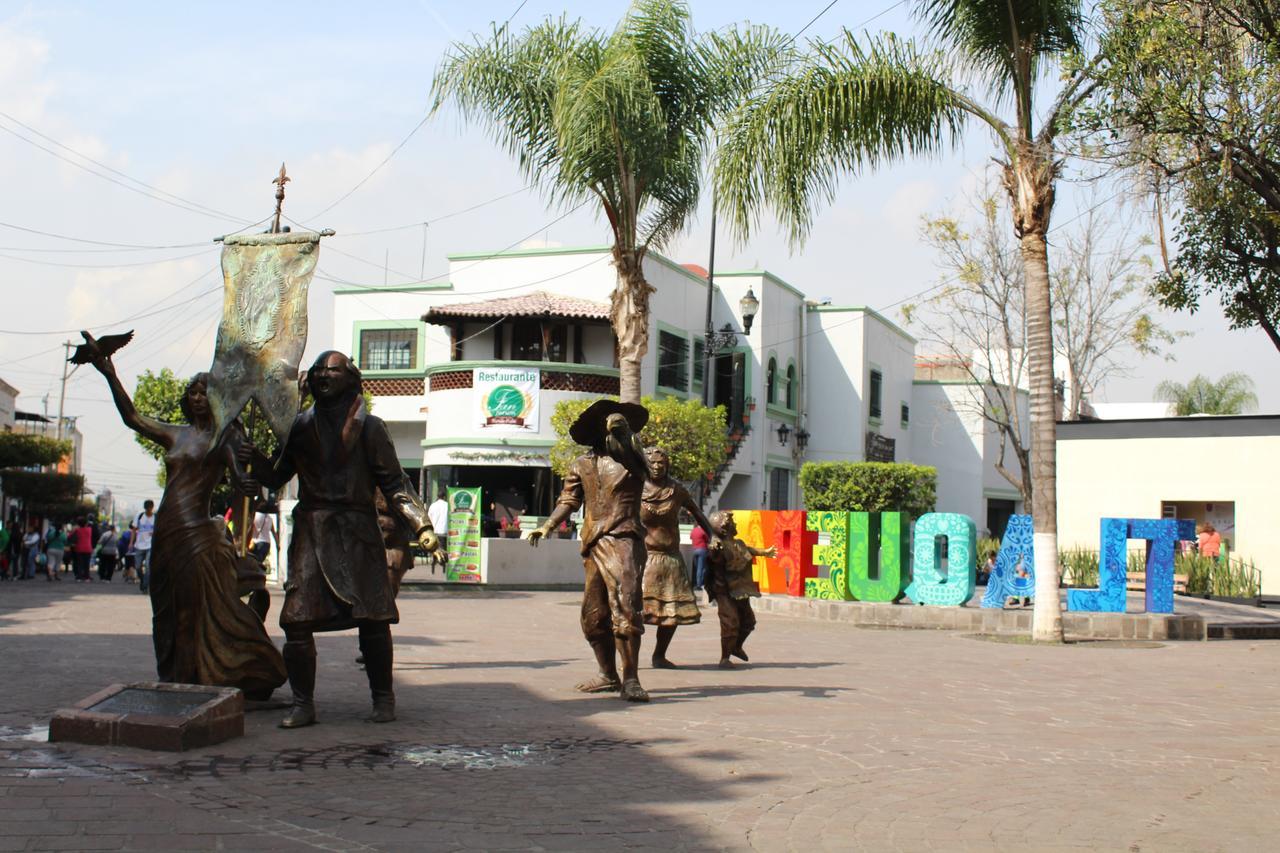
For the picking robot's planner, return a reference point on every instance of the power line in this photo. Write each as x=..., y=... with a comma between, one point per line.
x=394, y=151
x=115, y=246
x=103, y=266
x=150, y=191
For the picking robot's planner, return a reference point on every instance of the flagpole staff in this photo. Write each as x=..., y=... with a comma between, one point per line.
x=245, y=536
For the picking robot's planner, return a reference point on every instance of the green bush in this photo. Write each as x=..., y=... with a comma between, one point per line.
x=1079, y=567
x=23, y=450
x=692, y=434
x=869, y=487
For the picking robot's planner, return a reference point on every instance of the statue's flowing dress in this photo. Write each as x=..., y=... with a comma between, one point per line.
x=203, y=632
x=668, y=595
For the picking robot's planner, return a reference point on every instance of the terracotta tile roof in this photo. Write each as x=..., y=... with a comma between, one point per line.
x=536, y=304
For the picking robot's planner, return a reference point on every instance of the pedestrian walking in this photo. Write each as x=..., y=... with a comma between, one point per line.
x=82, y=550
x=31, y=552
x=698, y=538
x=5, y=536
x=264, y=531
x=108, y=551
x=55, y=545
x=124, y=548
x=438, y=512
x=146, y=526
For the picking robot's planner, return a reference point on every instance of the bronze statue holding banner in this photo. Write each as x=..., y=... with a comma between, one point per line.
x=338, y=575
x=608, y=481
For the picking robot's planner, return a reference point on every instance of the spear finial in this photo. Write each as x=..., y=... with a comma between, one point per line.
x=280, y=180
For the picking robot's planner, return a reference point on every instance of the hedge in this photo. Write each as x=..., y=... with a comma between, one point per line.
x=869, y=487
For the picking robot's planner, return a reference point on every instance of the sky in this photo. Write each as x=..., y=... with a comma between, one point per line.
x=191, y=107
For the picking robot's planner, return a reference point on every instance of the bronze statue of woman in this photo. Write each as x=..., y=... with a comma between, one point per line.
x=203, y=632
x=668, y=594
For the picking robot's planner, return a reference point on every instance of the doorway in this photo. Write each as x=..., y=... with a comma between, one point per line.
x=731, y=384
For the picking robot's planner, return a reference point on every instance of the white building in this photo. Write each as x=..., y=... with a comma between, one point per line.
x=805, y=382
x=8, y=406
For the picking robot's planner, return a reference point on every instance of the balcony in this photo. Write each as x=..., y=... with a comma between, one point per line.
x=554, y=375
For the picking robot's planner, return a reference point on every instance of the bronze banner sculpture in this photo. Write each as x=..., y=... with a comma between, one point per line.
x=608, y=481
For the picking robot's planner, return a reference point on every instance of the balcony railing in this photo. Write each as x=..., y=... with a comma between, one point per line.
x=554, y=376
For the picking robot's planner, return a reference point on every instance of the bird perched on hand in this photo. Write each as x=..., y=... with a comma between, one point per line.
x=95, y=348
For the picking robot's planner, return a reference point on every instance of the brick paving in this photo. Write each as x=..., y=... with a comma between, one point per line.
x=833, y=738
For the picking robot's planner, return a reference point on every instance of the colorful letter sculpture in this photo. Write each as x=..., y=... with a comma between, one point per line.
x=835, y=556
x=795, y=550
x=885, y=528
x=928, y=585
x=756, y=528
x=1163, y=535
x=1015, y=572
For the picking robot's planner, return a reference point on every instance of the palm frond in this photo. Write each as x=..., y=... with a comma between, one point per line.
x=844, y=108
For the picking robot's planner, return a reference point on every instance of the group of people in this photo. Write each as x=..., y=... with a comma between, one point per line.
x=630, y=542
x=76, y=547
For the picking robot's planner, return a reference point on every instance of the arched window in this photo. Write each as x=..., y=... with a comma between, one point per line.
x=771, y=381
x=791, y=386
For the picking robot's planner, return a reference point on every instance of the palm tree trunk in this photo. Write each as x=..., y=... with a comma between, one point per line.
x=1029, y=180
x=629, y=312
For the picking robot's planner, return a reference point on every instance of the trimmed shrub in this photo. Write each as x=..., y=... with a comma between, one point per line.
x=869, y=487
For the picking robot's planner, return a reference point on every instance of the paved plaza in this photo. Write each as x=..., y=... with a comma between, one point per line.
x=832, y=738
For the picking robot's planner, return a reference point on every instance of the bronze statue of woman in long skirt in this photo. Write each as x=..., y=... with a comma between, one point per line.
x=203, y=632
x=668, y=595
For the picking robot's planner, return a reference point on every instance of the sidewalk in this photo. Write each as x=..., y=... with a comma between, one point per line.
x=832, y=738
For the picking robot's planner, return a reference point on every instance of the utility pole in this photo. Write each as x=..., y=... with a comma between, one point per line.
x=62, y=394
x=709, y=336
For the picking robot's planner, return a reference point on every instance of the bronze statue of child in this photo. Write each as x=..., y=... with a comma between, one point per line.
x=731, y=585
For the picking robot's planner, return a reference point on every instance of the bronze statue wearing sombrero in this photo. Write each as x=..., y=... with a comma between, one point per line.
x=608, y=481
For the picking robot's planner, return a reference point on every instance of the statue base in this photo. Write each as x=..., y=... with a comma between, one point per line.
x=153, y=715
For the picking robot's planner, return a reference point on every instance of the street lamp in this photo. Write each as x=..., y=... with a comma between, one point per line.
x=749, y=306
x=802, y=439
x=783, y=432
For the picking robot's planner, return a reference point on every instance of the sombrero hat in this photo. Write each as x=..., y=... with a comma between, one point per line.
x=589, y=427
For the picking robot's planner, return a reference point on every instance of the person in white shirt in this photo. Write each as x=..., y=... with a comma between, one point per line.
x=146, y=523
x=438, y=512
x=264, y=531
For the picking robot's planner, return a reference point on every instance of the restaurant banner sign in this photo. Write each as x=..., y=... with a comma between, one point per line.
x=464, y=536
x=507, y=398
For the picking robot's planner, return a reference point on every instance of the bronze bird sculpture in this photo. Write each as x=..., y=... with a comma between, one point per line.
x=102, y=347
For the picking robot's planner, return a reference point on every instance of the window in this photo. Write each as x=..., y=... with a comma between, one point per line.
x=906, y=415
x=779, y=489
x=771, y=382
x=791, y=386
x=388, y=349
x=526, y=341
x=673, y=361
x=699, y=360
x=873, y=393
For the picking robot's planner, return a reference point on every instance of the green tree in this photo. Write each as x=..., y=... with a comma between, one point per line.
x=47, y=493
x=23, y=450
x=850, y=105
x=621, y=119
x=159, y=396
x=1190, y=105
x=691, y=433
x=1230, y=395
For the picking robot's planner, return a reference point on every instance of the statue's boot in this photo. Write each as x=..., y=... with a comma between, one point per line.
x=300, y=663
x=377, y=649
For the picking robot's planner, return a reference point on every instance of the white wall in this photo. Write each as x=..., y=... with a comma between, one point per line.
x=836, y=368
x=8, y=405
x=893, y=352
x=1131, y=477
x=948, y=433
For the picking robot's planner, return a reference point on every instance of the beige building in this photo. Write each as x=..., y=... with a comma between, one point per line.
x=1224, y=470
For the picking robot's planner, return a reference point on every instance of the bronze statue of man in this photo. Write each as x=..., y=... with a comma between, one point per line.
x=338, y=575
x=608, y=481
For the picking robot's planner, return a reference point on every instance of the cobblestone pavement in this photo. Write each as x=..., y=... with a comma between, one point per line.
x=832, y=738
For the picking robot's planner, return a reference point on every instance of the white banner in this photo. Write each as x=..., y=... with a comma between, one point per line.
x=507, y=398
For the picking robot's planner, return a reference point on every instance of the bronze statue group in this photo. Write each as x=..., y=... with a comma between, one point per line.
x=350, y=544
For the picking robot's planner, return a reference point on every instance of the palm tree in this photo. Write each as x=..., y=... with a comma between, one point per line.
x=1230, y=395
x=622, y=119
x=850, y=106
